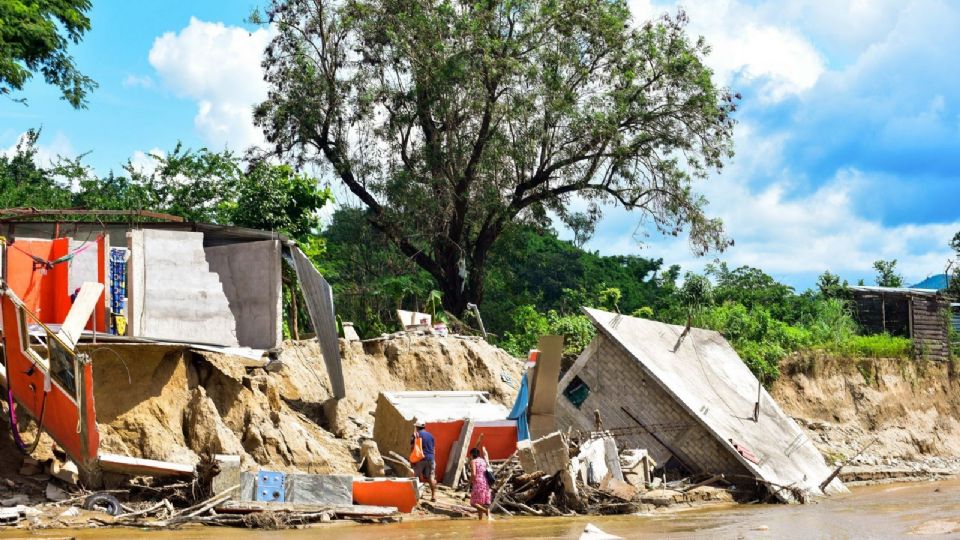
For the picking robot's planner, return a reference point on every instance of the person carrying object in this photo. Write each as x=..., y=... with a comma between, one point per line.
x=423, y=458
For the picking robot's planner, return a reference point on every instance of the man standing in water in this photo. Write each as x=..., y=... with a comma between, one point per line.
x=425, y=468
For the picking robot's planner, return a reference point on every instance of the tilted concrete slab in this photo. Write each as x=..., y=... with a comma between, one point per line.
x=707, y=377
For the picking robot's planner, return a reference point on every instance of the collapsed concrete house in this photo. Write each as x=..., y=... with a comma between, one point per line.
x=691, y=401
x=922, y=315
x=142, y=278
x=452, y=417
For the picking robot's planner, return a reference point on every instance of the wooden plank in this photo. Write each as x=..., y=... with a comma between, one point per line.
x=319, y=297
x=451, y=477
x=546, y=376
x=139, y=466
x=83, y=306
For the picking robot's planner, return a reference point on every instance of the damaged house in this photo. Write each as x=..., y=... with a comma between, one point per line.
x=921, y=314
x=144, y=281
x=687, y=397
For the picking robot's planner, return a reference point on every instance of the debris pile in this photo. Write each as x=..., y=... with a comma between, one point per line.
x=554, y=476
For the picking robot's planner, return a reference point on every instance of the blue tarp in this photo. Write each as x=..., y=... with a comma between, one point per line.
x=519, y=412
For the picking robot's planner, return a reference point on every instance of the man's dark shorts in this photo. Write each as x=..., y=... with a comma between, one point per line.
x=424, y=468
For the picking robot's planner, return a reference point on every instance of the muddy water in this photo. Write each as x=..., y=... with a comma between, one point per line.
x=889, y=511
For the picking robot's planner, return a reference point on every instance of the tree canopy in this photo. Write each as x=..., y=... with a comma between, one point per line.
x=199, y=185
x=451, y=120
x=887, y=275
x=34, y=36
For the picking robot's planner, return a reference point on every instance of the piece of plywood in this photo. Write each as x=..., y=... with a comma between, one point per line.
x=139, y=466
x=546, y=375
x=458, y=454
x=319, y=298
x=83, y=306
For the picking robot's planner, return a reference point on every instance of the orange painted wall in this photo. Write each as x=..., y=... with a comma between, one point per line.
x=399, y=492
x=445, y=434
x=500, y=441
x=47, y=294
x=62, y=416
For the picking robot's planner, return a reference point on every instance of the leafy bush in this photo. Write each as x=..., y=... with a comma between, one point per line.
x=577, y=331
x=528, y=325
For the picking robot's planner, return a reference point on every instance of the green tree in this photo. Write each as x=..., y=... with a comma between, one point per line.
x=277, y=198
x=450, y=121
x=34, y=36
x=887, y=275
x=953, y=284
x=830, y=286
x=25, y=183
x=695, y=295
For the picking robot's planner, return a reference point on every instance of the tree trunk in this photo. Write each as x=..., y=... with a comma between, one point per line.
x=455, y=298
x=457, y=292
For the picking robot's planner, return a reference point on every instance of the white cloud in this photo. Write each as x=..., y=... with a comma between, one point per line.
x=748, y=48
x=138, y=81
x=146, y=162
x=787, y=232
x=219, y=67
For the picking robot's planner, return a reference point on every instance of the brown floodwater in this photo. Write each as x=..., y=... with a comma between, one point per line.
x=884, y=511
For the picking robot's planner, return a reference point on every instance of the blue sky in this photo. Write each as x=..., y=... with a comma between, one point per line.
x=848, y=143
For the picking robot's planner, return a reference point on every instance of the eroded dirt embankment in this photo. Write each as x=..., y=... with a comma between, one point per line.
x=176, y=405
x=908, y=410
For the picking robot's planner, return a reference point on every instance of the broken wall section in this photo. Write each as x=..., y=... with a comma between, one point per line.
x=250, y=275
x=173, y=293
x=618, y=386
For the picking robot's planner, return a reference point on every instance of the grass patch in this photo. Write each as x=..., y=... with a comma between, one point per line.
x=876, y=346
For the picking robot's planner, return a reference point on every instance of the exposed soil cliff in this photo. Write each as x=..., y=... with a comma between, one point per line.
x=909, y=411
x=172, y=404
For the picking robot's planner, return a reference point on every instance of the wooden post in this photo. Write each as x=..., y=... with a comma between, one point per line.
x=883, y=312
x=451, y=477
x=294, y=313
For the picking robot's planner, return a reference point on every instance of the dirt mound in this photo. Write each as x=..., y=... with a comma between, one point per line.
x=406, y=362
x=170, y=403
x=911, y=408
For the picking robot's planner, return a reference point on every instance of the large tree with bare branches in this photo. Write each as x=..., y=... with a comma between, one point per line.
x=449, y=119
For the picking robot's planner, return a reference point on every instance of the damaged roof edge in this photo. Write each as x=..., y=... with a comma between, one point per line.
x=217, y=231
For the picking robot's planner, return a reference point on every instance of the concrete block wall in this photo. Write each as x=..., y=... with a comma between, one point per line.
x=250, y=275
x=616, y=380
x=172, y=292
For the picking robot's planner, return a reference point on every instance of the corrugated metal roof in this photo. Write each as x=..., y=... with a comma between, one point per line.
x=900, y=290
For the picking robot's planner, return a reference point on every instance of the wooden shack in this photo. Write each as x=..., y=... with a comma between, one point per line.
x=919, y=314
